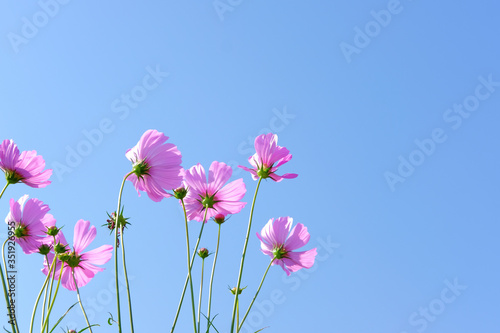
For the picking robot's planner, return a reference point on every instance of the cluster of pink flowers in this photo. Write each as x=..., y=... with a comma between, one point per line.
x=156, y=170
x=34, y=229
x=205, y=199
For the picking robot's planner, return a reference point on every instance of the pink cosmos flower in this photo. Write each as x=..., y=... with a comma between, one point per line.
x=83, y=264
x=267, y=158
x=30, y=221
x=156, y=166
x=213, y=195
x=24, y=167
x=277, y=241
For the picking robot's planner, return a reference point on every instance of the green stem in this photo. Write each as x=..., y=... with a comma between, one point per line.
x=51, y=269
x=116, y=252
x=201, y=291
x=8, y=292
x=50, y=289
x=126, y=282
x=243, y=255
x=187, y=277
x=212, y=280
x=79, y=300
x=45, y=293
x=189, y=264
x=46, y=323
x=255, y=297
x=238, y=313
x=4, y=188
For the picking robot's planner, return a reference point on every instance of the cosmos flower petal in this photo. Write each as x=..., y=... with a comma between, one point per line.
x=195, y=178
x=162, y=165
x=229, y=207
x=265, y=144
x=15, y=212
x=29, y=215
x=83, y=235
x=66, y=278
x=277, y=230
x=87, y=267
x=27, y=166
x=279, y=243
x=252, y=171
x=99, y=256
x=34, y=211
x=218, y=174
x=267, y=158
x=282, y=264
x=233, y=191
x=298, y=260
x=225, y=198
x=9, y=155
x=298, y=237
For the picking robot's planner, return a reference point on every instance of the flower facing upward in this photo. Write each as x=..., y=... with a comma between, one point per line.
x=83, y=264
x=212, y=195
x=278, y=242
x=30, y=221
x=26, y=167
x=267, y=158
x=156, y=165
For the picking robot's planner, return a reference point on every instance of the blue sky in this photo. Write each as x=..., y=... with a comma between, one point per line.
x=390, y=109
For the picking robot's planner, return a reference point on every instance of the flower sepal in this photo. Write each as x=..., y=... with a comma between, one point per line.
x=203, y=253
x=279, y=252
x=60, y=248
x=111, y=222
x=141, y=168
x=180, y=193
x=52, y=231
x=12, y=177
x=21, y=231
x=233, y=290
x=44, y=249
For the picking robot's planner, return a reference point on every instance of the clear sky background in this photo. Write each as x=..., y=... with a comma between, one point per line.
x=390, y=109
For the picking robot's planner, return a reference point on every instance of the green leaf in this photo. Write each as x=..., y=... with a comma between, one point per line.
x=210, y=323
x=80, y=331
x=64, y=315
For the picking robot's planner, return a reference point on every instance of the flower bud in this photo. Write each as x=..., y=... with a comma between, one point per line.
x=60, y=248
x=111, y=222
x=44, y=249
x=64, y=257
x=219, y=218
x=180, y=193
x=233, y=290
x=203, y=253
x=71, y=331
x=52, y=231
